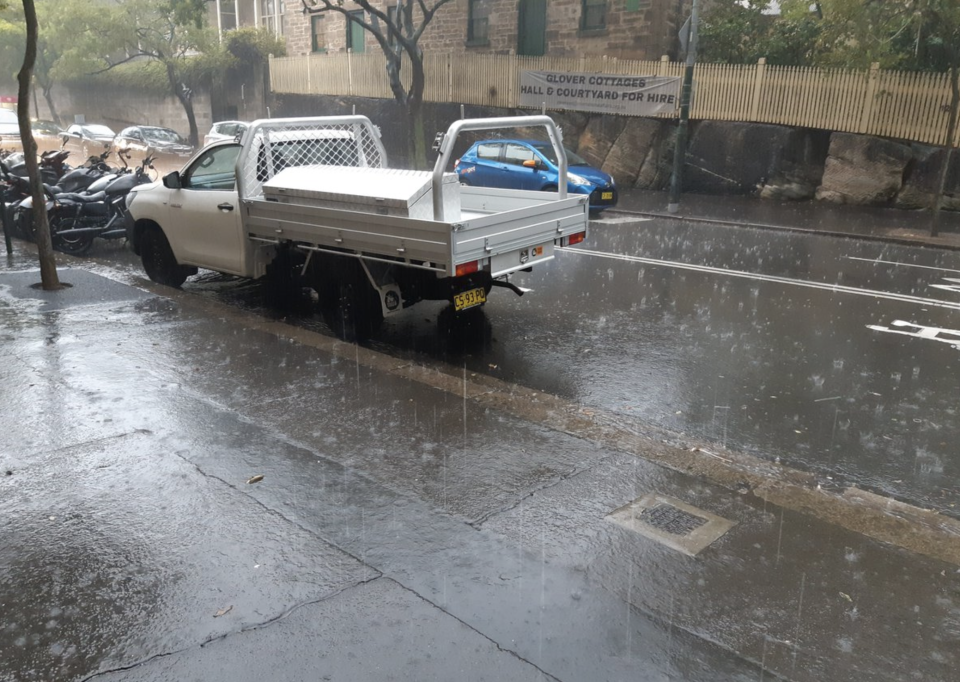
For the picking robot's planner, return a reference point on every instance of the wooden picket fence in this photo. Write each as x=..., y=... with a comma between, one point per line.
x=898, y=104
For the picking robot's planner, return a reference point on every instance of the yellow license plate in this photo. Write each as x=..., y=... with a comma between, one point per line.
x=469, y=299
x=606, y=195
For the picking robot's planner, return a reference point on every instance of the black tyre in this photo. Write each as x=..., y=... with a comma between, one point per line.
x=75, y=245
x=158, y=260
x=284, y=285
x=350, y=305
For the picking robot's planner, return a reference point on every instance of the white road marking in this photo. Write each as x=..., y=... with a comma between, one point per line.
x=903, y=265
x=835, y=288
x=922, y=332
x=619, y=220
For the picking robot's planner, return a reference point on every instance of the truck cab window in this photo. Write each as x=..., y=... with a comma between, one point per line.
x=216, y=169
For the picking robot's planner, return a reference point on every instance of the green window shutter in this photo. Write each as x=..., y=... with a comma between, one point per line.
x=633, y=5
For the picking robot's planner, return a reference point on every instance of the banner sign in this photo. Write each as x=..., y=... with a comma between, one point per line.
x=602, y=93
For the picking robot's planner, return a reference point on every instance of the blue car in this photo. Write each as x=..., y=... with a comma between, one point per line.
x=532, y=165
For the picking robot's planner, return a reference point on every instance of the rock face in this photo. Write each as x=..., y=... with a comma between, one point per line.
x=741, y=158
x=863, y=170
x=723, y=157
x=923, y=180
x=598, y=138
x=636, y=157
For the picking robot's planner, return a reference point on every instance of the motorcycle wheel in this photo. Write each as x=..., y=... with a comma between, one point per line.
x=75, y=245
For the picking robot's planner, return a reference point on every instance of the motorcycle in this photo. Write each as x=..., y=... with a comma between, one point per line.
x=77, y=219
x=74, y=185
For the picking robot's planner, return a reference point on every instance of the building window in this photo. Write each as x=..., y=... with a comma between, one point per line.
x=226, y=15
x=478, y=14
x=272, y=15
x=593, y=15
x=355, y=32
x=318, y=41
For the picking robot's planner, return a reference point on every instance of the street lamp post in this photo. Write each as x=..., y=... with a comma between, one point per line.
x=680, y=152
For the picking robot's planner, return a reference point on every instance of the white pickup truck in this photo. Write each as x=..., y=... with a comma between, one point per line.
x=311, y=204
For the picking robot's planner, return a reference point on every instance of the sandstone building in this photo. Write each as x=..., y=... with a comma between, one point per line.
x=624, y=29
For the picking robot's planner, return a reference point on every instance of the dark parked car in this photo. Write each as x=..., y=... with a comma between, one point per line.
x=84, y=140
x=532, y=165
x=169, y=150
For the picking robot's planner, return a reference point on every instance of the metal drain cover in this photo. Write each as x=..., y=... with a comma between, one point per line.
x=671, y=522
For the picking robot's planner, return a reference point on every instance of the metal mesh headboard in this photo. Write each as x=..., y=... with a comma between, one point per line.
x=270, y=145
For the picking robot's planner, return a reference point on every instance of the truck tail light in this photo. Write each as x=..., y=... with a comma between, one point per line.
x=468, y=268
x=574, y=238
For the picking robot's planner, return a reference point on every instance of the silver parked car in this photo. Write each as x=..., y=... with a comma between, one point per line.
x=224, y=130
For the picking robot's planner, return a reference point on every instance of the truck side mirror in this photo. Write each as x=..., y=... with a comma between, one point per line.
x=172, y=180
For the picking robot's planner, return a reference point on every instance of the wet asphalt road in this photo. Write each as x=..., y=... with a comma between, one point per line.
x=408, y=532
x=788, y=346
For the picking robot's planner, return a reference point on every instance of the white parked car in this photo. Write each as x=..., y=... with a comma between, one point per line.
x=224, y=130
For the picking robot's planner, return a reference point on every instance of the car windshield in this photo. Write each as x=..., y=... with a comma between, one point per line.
x=547, y=150
x=47, y=127
x=97, y=131
x=162, y=135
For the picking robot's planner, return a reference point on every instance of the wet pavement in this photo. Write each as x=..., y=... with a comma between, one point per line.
x=439, y=518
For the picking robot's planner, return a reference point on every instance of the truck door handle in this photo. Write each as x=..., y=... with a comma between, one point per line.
x=225, y=206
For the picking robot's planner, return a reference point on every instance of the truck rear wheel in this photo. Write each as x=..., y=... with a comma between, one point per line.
x=350, y=304
x=158, y=260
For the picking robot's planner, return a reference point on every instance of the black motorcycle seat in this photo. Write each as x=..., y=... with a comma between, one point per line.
x=52, y=190
x=81, y=198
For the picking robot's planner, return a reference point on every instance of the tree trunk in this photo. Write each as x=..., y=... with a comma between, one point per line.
x=951, y=136
x=48, y=266
x=186, y=102
x=415, y=114
x=48, y=97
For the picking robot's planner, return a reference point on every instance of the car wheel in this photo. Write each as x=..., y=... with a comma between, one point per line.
x=549, y=188
x=158, y=260
x=75, y=245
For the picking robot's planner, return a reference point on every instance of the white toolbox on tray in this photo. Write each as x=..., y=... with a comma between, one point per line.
x=383, y=191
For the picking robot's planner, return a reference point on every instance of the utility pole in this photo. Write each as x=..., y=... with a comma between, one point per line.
x=688, y=36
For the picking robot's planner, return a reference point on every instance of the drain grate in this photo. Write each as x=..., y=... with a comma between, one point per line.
x=668, y=518
x=672, y=522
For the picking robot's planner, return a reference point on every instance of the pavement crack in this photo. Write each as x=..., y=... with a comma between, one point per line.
x=278, y=514
x=246, y=628
x=478, y=522
x=467, y=625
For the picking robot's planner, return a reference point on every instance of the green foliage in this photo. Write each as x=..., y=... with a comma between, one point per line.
x=251, y=46
x=904, y=34
x=733, y=32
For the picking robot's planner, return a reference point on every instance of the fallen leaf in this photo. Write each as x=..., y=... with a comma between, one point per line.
x=255, y=479
x=846, y=596
x=223, y=612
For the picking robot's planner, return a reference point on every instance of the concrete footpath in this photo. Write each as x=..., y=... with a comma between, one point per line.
x=191, y=491
x=857, y=222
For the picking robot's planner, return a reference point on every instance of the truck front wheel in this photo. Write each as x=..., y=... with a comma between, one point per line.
x=158, y=260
